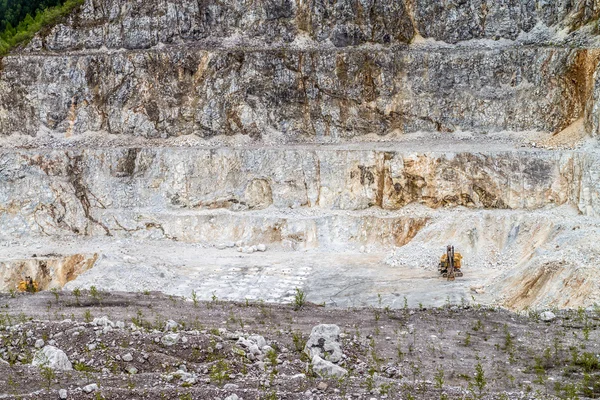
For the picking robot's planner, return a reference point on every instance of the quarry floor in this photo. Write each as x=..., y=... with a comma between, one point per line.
x=348, y=279
x=496, y=268
x=422, y=353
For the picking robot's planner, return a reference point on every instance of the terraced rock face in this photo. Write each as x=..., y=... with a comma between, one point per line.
x=320, y=126
x=314, y=95
x=125, y=192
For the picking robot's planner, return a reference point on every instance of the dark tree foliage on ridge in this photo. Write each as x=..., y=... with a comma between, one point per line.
x=21, y=19
x=14, y=11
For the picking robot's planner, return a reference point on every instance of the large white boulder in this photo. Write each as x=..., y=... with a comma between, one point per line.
x=103, y=322
x=52, y=357
x=324, y=341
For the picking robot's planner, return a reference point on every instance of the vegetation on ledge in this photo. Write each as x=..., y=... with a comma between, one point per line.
x=19, y=27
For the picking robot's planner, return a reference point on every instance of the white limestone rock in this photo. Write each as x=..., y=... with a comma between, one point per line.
x=52, y=357
x=170, y=339
x=325, y=368
x=547, y=316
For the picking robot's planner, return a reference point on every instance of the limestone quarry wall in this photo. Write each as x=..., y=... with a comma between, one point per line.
x=306, y=71
x=49, y=271
x=217, y=195
x=143, y=24
x=312, y=124
x=302, y=96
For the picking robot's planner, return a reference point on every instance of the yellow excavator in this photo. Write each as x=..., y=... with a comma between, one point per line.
x=450, y=264
x=28, y=285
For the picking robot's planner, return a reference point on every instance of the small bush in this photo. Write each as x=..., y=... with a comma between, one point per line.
x=299, y=299
x=219, y=372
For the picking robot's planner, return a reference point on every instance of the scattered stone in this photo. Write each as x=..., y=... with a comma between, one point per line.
x=322, y=386
x=477, y=289
x=52, y=357
x=131, y=370
x=127, y=357
x=547, y=316
x=170, y=339
x=230, y=386
x=39, y=343
x=171, y=325
x=92, y=387
x=62, y=394
x=266, y=349
x=325, y=368
x=103, y=322
x=233, y=397
x=253, y=349
x=324, y=341
x=261, y=247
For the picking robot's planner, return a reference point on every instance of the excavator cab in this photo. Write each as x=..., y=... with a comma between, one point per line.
x=28, y=285
x=450, y=264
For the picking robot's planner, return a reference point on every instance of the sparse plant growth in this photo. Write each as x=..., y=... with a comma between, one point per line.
x=77, y=294
x=219, y=372
x=299, y=299
x=373, y=350
x=467, y=339
x=194, y=298
x=299, y=341
x=439, y=379
x=95, y=294
x=49, y=375
x=480, y=381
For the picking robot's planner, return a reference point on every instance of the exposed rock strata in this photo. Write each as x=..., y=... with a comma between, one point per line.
x=303, y=96
x=49, y=271
x=341, y=23
x=176, y=193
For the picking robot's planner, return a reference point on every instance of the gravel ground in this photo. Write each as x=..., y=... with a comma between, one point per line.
x=454, y=352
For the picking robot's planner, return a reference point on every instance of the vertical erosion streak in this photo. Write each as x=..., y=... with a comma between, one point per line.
x=580, y=78
x=381, y=161
x=409, y=7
